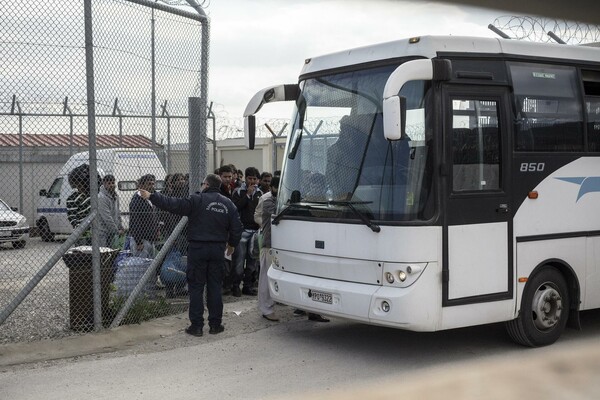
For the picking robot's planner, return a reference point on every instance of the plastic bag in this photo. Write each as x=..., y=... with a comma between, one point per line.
x=122, y=254
x=255, y=241
x=120, y=241
x=129, y=272
x=173, y=270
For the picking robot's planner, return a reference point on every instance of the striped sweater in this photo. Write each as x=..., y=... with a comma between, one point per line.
x=78, y=207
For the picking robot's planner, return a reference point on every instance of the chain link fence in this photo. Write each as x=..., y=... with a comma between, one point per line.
x=73, y=260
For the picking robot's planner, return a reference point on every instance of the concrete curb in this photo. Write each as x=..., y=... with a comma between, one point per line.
x=108, y=341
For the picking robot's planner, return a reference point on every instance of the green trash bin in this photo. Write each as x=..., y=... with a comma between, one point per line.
x=81, y=295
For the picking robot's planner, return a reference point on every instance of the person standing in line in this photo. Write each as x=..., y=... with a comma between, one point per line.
x=109, y=212
x=269, y=204
x=214, y=230
x=264, y=183
x=78, y=202
x=226, y=175
x=143, y=220
x=245, y=199
x=225, y=172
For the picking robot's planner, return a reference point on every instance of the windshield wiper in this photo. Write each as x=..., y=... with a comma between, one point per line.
x=350, y=205
x=288, y=209
x=374, y=227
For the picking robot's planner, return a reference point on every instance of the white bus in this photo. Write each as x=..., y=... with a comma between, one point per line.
x=442, y=182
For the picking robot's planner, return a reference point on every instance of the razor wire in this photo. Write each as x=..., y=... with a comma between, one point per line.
x=536, y=29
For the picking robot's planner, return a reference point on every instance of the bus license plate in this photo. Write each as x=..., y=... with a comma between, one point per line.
x=321, y=297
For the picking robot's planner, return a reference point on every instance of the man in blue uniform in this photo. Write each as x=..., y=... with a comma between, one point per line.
x=214, y=227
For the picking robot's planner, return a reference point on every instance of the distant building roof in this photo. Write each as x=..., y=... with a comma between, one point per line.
x=47, y=140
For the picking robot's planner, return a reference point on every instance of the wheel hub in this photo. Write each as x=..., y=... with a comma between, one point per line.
x=546, y=307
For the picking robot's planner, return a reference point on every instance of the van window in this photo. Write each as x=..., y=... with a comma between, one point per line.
x=549, y=112
x=127, y=185
x=132, y=185
x=54, y=191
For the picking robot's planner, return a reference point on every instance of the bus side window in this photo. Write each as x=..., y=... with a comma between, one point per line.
x=475, y=146
x=593, y=109
x=549, y=112
x=591, y=86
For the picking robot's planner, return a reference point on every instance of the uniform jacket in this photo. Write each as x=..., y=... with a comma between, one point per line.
x=212, y=217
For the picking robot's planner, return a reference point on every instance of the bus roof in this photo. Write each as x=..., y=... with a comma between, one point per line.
x=430, y=46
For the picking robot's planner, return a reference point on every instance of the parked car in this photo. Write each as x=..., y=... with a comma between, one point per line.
x=13, y=226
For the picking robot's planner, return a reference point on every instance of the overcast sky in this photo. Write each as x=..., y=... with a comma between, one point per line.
x=259, y=43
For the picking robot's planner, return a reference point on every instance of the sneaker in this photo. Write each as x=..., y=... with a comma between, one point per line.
x=216, y=329
x=271, y=317
x=249, y=291
x=194, y=330
x=236, y=291
x=317, y=317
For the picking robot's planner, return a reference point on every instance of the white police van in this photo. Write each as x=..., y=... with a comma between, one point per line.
x=127, y=166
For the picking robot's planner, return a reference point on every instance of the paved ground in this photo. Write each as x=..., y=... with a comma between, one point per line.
x=298, y=359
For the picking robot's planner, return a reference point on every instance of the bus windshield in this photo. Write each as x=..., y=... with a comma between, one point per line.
x=339, y=165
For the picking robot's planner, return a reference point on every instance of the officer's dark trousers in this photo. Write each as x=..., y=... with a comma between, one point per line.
x=205, y=266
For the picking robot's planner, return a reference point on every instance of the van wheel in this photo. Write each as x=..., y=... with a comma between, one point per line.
x=544, y=310
x=19, y=245
x=45, y=233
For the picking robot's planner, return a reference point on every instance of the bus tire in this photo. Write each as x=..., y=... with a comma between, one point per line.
x=544, y=310
x=45, y=233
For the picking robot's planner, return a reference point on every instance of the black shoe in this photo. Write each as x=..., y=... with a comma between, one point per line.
x=317, y=317
x=216, y=329
x=236, y=291
x=298, y=312
x=249, y=291
x=194, y=330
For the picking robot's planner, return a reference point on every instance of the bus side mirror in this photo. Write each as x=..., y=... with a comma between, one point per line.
x=394, y=106
x=394, y=122
x=249, y=131
x=268, y=95
x=43, y=193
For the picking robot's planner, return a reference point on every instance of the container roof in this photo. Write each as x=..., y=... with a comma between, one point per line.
x=49, y=140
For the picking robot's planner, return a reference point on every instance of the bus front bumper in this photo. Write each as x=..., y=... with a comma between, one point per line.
x=408, y=308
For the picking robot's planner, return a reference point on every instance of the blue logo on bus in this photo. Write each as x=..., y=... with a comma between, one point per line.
x=586, y=184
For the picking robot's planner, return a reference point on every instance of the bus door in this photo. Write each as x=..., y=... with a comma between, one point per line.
x=477, y=261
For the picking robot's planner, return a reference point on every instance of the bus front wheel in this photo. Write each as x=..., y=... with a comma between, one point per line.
x=544, y=310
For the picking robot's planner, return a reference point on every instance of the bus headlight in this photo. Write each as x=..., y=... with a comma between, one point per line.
x=389, y=277
x=402, y=276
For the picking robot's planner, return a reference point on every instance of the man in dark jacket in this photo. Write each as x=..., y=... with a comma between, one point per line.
x=143, y=220
x=214, y=228
x=245, y=199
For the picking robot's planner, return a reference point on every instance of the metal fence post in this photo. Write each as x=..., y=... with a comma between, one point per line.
x=91, y=122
